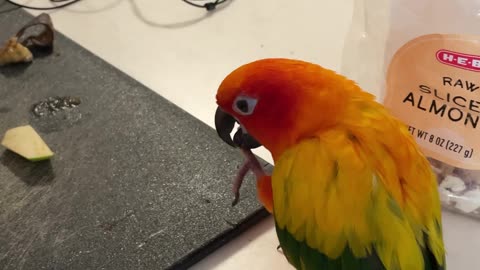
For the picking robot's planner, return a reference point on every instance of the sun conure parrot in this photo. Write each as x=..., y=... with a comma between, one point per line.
x=350, y=187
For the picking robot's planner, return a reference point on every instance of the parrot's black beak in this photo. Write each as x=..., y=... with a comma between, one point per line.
x=224, y=124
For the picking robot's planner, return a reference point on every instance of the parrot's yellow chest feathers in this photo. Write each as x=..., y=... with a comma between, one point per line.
x=362, y=186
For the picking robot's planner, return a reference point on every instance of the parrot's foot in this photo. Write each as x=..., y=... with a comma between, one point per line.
x=237, y=183
x=279, y=249
x=250, y=163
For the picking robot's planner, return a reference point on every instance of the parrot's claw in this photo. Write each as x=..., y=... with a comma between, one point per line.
x=279, y=249
x=236, y=199
x=237, y=183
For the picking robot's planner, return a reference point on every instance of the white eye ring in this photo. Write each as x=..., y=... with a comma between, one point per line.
x=244, y=105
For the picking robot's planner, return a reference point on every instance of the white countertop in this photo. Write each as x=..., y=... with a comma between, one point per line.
x=183, y=53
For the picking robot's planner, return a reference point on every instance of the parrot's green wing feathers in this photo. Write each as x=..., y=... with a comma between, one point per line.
x=334, y=210
x=300, y=255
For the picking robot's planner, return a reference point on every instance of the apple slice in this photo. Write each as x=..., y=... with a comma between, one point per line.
x=26, y=142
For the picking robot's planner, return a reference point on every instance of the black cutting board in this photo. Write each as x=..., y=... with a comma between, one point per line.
x=136, y=182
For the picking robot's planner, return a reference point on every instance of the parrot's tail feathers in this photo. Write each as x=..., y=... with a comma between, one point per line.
x=431, y=261
x=303, y=257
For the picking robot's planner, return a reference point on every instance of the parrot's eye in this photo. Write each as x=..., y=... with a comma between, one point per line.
x=244, y=105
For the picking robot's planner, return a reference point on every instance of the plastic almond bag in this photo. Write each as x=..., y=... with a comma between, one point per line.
x=422, y=60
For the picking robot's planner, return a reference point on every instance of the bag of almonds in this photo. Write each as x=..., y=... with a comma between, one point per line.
x=422, y=60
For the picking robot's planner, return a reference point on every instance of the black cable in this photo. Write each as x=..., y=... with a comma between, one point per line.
x=45, y=8
x=209, y=6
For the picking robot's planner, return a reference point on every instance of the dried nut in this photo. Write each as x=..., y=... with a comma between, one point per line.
x=468, y=202
x=436, y=170
x=17, y=49
x=44, y=38
x=453, y=183
x=436, y=163
x=14, y=52
x=446, y=170
x=441, y=169
x=469, y=176
x=445, y=195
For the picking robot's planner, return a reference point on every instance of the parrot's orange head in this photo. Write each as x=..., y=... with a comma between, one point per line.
x=277, y=102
